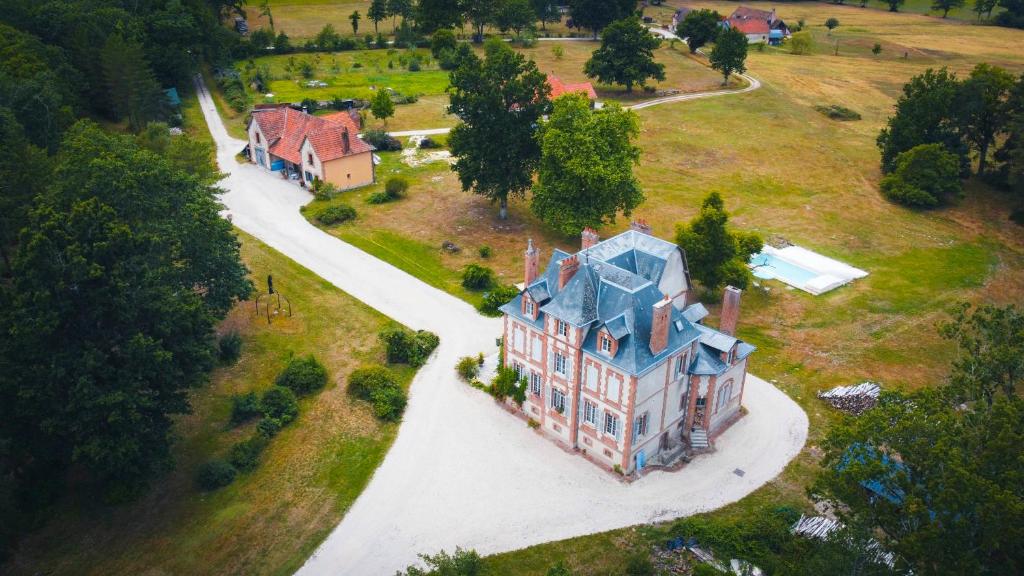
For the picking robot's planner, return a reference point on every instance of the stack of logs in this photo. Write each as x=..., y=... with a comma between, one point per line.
x=853, y=399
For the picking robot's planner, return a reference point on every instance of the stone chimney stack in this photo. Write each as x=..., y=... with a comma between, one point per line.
x=567, y=269
x=532, y=258
x=730, y=310
x=640, y=225
x=660, y=320
x=590, y=238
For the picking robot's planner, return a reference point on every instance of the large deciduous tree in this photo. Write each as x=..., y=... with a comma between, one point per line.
x=108, y=322
x=595, y=15
x=546, y=11
x=23, y=173
x=480, y=13
x=925, y=114
x=626, y=55
x=499, y=101
x=947, y=5
x=699, y=27
x=716, y=255
x=586, y=168
x=377, y=12
x=433, y=15
x=981, y=108
x=729, y=53
x=514, y=15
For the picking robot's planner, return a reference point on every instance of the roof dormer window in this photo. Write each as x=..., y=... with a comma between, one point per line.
x=530, y=306
x=606, y=344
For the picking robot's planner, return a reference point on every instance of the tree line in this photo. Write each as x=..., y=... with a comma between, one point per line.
x=943, y=124
x=116, y=266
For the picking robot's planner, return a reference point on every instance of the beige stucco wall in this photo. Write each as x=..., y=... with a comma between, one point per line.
x=349, y=171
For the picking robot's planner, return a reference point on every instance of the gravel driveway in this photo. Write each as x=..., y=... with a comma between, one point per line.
x=462, y=471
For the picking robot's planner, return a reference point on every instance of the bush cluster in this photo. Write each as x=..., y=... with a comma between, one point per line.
x=233, y=89
x=837, y=112
x=336, y=214
x=215, y=474
x=244, y=407
x=495, y=299
x=477, y=277
x=229, y=348
x=507, y=383
x=245, y=456
x=377, y=385
x=467, y=368
x=380, y=140
x=403, y=346
x=925, y=176
x=279, y=406
x=303, y=375
x=394, y=189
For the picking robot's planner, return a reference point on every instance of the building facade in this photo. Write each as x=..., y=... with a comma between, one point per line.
x=618, y=364
x=310, y=148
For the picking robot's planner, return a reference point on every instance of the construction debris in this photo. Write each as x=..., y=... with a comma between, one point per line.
x=820, y=527
x=853, y=399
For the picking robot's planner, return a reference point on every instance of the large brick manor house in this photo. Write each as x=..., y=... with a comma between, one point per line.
x=618, y=364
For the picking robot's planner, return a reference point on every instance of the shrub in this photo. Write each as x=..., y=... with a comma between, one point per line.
x=476, y=277
x=279, y=404
x=557, y=51
x=268, y=427
x=429, y=143
x=229, y=348
x=801, y=42
x=382, y=141
x=215, y=474
x=414, y=65
x=303, y=375
x=245, y=455
x=703, y=569
x=507, y=383
x=441, y=41
x=467, y=368
x=377, y=385
x=382, y=42
x=837, y=112
x=403, y=346
x=925, y=176
x=336, y=214
x=378, y=198
x=485, y=251
x=495, y=299
x=396, y=187
x=244, y=407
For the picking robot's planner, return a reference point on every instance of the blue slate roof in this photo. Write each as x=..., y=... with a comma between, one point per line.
x=616, y=288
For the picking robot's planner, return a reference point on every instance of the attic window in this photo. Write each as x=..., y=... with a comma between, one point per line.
x=257, y=137
x=679, y=325
x=310, y=157
x=529, y=307
x=606, y=344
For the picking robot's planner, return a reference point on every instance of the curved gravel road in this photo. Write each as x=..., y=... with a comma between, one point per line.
x=462, y=472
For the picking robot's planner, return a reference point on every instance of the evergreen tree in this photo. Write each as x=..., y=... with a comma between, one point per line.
x=586, y=167
x=131, y=87
x=716, y=255
x=499, y=101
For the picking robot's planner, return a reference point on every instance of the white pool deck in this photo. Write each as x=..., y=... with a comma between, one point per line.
x=829, y=274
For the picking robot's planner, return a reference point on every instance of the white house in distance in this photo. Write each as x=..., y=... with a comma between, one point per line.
x=618, y=364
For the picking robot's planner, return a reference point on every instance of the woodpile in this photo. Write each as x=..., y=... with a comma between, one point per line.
x=853, y=399
x=820, y=527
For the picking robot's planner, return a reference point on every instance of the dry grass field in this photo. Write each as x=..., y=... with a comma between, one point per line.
x=267, y=521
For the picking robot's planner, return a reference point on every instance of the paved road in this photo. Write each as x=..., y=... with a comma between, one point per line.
x=462, y=471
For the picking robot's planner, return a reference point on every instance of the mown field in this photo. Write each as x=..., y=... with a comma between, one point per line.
x=270, y=520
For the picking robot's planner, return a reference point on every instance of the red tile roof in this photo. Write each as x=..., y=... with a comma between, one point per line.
x=558, y=88
x=332, y=136
x=745, y=13
x=750, y=26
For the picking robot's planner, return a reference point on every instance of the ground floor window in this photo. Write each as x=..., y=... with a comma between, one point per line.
x=557, y=399
x=518, y=369
x=589, y=412
x=309, y=176
x=611, y=424
x=535, y=383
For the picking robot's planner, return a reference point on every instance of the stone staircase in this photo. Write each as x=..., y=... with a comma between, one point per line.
x=699, y=439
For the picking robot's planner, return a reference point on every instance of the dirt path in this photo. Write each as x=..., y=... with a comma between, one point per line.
x=462, y=472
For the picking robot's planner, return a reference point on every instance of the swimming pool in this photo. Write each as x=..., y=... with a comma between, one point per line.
x=771, y=267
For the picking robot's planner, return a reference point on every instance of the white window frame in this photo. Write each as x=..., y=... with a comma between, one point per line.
x=562, y=328
x=606, y=344
x=642, y=424
x=558, y=400
x=529, y=306
x=590, y=412
x=561, y=363
x=518, y=369
x=611, y=424
x=536, y=383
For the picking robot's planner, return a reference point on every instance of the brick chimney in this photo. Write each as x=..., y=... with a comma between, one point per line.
x=730, y=310
x=660, y=319
x=567, y=269
x=531, y=263
x=641, y=225
x=589, y=238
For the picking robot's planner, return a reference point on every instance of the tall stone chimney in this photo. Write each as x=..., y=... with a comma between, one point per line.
x=730, y=310
x=660, y=320
x=641, y=225
x=532, y=258
x=567, y=269
x=589, y=237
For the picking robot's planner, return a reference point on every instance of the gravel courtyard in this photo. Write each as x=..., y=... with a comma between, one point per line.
x=462, y=471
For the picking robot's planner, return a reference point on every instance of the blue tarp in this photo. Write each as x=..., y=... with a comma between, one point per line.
x=172, y=97
x=880, y=486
